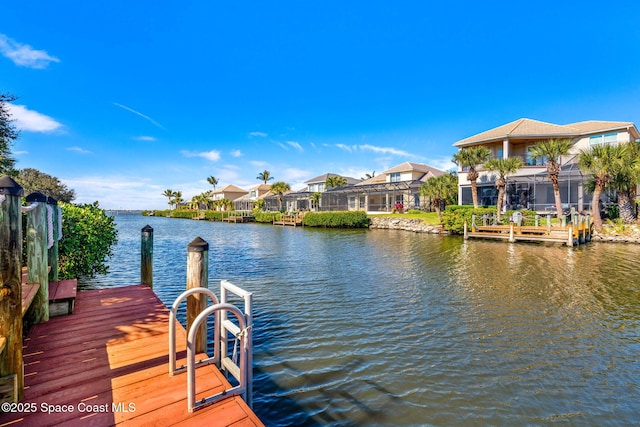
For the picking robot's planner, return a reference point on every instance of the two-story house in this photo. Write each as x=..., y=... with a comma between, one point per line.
x=529, y=187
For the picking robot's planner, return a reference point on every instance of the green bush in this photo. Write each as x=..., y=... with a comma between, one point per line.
x=267, y=217
x=415, y=212
x=87, y=237
x=454, y=216
x=214, y=215
x=356, y=219
x=184, y=213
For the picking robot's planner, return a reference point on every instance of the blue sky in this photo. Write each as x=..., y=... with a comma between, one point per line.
x=124, y=99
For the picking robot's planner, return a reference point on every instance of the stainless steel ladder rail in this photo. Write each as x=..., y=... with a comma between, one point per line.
x=226, y=326
x=240, y=371
x=172, y=331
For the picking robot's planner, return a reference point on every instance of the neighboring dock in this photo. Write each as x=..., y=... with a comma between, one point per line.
x=239, y=216
x=294, y=220
x=576, y=231
x=109, y=362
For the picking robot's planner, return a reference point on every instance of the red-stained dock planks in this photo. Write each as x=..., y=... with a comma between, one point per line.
x=107, y=364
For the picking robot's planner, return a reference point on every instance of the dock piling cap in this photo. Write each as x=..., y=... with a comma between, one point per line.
x=36, y=196
x=198, y=245
x=9, y=187
x=147, y=229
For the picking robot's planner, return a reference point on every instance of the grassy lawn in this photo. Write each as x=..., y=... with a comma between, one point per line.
x=429, y=218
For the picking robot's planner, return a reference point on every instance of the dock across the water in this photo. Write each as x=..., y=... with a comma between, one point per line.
x=576, y=231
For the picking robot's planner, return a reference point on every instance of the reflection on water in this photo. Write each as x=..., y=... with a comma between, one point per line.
x=386, y=327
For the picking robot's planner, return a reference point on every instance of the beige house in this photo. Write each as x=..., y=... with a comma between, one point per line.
x=247, y=202
x=529, y=187
x=231, y=192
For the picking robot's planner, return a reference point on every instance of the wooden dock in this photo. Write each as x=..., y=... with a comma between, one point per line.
x=239, y=216
x=571, y=234
x=107, y=364
x=294, y=220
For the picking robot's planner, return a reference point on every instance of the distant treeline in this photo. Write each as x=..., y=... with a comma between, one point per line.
x=311, y=219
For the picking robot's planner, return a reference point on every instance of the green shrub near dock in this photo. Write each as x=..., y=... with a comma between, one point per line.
x=454, y=216
x=267, y=217
x=356, y=219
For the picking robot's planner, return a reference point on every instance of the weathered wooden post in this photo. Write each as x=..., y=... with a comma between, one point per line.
x=511, y=236
x=197, y=276
x=146, y=256
x=52, y=211
x=11, y=364
x=37, y=263
x=466, y=232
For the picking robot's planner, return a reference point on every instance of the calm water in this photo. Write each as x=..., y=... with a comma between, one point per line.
x=383, y=327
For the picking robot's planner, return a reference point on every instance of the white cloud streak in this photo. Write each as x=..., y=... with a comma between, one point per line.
x=295, y=145
x=236, y=153
x=212, y=155
x=78, y=150
x=145, y=138
x=260, y=134
x=381, y=150
x=32, y=121
x=24, y=55
x=139, y=114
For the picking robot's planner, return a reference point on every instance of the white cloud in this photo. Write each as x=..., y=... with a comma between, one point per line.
x=117, y=192
x=384, y=150
x=236, y=153
x=24, y=55
x=260, y=134
x=212, y=155
x=259, y=163
x=79, y=150
x=442, y=163
x=139, y=114
x=32, y=121
x=145, y=138
x=295, y=145
x=348, y=148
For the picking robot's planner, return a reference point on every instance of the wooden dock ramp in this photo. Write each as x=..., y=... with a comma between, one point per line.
x=107, y=364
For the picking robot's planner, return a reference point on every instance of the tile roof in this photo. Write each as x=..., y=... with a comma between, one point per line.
x=230, y=189
x=410, y=166
x=528, y=128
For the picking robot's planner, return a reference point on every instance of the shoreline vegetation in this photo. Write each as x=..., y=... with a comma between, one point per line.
x=415, y=221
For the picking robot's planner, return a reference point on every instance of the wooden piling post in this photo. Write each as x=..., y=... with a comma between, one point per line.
x=37, y=262
x=53, y=250
x=197, y=276
x=11, y=364
x=146, y=256
x=511, y=234
x=466, y=231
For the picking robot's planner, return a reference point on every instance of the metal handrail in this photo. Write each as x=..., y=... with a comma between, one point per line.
x=172, y=331
x=245, y=348
x=227, y=287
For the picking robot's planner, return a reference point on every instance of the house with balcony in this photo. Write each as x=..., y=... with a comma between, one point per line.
x=230, y=192
x=248, y=201
x=529, y=187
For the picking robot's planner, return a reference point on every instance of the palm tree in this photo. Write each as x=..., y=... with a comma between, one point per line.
x=213, y=181
x=280, y=188
x=504, y=167
x=625, y=181
x=170, y=194
x=443, y=188
x=177, y=199
x=471, y=158
x=264, y=176
x=335, y=181
x=551, y=151
x=601, y=162
x=369, y=175
x=315, y=199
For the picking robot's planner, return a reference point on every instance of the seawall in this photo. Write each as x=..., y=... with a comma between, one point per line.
x=408, y=224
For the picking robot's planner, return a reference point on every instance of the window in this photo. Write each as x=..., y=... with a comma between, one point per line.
x=531, y=161
x=394, y=177
x=608, y=138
